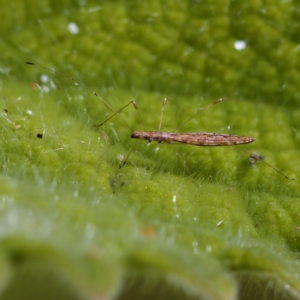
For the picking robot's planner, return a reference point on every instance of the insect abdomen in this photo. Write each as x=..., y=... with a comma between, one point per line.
x=197, y=139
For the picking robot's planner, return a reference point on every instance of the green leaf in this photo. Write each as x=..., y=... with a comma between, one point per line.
x=176, y=221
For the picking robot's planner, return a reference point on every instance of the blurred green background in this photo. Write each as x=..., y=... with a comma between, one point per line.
x=177, y=221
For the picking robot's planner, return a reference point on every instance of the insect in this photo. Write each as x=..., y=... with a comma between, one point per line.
x=196, y=139
x=203, y=139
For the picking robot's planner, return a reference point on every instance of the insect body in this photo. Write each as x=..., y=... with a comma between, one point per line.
x=196, y=139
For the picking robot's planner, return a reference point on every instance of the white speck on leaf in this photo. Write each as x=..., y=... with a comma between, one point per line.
x=240, y=45
x=73, y=28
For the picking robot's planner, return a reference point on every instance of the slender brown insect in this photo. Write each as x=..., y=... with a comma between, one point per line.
x=203, y=139
x=196, y=139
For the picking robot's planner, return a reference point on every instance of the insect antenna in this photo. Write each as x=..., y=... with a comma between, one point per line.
x=198, y=112
x=52, y=71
